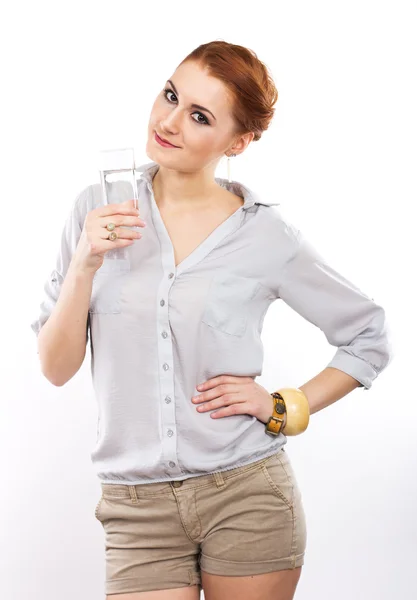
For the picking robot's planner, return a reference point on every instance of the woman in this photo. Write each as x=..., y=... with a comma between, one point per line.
x=195, y=493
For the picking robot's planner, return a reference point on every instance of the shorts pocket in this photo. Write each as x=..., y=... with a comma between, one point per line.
x=228, y=303
x=279, y=475
x=107, y=286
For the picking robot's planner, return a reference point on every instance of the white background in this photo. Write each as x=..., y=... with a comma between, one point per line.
x=340, y=157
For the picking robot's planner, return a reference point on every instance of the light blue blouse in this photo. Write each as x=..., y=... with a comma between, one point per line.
x=156, y=331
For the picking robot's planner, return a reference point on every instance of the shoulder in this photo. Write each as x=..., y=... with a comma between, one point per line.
x=277, y=223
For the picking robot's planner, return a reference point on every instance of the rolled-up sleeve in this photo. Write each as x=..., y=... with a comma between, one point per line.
x=69, y=240
x=350, y=320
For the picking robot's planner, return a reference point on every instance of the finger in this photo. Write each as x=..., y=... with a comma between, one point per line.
x=122, y=233
x=122, y=208
x=122, y=220
x=219, y=390
x=220, y=402
x=233, y=409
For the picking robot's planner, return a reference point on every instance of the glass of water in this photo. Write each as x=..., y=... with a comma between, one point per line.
x=118, y=184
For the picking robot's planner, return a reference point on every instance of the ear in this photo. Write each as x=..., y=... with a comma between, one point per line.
x=242, y=142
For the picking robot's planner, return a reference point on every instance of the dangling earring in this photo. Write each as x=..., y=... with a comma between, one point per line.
x=228, y=167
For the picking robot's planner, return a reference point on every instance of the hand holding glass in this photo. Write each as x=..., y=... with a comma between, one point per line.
x=94, y=244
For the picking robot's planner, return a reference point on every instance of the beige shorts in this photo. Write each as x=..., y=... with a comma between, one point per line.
x=245, y=521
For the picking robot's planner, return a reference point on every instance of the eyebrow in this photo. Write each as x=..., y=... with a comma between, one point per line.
x=193, y=105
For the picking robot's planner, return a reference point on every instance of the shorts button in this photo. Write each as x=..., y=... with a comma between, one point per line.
x=177, y=483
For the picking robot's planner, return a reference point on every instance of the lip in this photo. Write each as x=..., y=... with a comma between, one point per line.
x=163, y=142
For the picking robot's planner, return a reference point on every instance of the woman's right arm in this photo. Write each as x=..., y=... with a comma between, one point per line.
x=62, y=323
x=63, y=338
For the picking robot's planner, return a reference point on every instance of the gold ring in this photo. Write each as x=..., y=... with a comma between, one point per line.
x=113, y=235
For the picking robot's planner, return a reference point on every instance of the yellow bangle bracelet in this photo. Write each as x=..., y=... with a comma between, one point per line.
x=297, y=410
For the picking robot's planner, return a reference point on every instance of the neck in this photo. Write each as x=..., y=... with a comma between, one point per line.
x=179, y=190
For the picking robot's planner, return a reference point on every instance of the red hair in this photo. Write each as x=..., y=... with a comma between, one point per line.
x=248, y=80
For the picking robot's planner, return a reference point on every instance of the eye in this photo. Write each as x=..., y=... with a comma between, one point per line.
x=205, y=122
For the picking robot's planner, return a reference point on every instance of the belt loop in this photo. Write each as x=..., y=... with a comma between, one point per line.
x=133, y=495
x=218, y=478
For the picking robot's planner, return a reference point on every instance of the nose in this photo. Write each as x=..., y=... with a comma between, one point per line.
x=169, y=124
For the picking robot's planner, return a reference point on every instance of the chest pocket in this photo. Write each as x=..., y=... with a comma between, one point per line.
x=228, y=303
x=107, y=286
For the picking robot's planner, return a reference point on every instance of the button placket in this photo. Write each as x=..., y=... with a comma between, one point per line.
x=168, y=421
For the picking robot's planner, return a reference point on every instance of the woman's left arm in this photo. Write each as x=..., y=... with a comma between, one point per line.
x=350, y=320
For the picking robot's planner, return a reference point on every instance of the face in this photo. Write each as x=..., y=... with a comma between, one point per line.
x=202, y=135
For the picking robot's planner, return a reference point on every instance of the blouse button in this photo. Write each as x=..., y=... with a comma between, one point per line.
x=171, y=463
x=170, y=433
x=164, y=334
x=165, y=367
x=162, y=302
x=171, y=275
